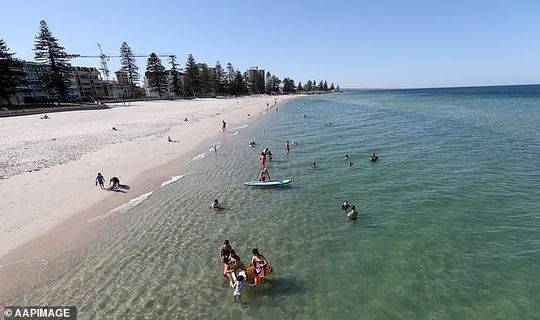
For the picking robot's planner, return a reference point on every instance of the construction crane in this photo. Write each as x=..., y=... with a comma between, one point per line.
x=104, y=59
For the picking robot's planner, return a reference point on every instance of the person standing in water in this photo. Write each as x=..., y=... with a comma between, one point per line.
x=264, y=175
x=100, y=180
x=287, y=146
x=224, y=126
x=215, y=150
x=259, y=263
x=225, y=251
x=262, y=160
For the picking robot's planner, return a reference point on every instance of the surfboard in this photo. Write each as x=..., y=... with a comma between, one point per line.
x=272, y=183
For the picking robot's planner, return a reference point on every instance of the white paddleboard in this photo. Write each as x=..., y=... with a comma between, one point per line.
x=272, y=183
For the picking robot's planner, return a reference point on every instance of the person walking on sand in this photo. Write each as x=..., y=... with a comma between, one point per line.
x=215, y=150
x=262, y=160
x=224, y=126
x=100, y=180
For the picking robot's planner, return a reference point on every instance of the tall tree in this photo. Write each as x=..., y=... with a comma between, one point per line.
x=231, y=74
x=48, y=50
x=156, y=75
x=206, y=84
x=332, y=87
x=299, y=87
x=129, y=67
x=309, y=86
x=219, y=80
x=176, y=84
x=321, y=86
x=10, y=76
x=275, y=84
x=239, y=86
x=337, y=88
x=288, y=85
x=268, y=84
x=192, y=82
x=325, y=86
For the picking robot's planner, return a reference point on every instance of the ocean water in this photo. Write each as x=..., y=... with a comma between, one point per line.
x=449, y=224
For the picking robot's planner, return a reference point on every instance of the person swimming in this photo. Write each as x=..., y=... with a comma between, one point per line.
x=252, y=144
x=215, y=204
x=345, y=205
x=264, y=175
x=351, y=164
x=353, y=214
x=373, y=157
x=314, y=165
x=346, y=157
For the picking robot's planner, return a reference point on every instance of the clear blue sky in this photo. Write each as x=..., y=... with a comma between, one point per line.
x=376, y=43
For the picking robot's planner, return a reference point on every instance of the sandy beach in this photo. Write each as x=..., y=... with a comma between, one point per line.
x=48, y=166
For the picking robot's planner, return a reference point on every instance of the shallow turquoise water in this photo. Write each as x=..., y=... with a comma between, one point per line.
x=449, y=223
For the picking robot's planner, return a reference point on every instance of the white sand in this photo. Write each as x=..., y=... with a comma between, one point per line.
x=48, y=166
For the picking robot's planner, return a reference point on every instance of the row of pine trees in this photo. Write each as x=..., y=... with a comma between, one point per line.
x=199, y=78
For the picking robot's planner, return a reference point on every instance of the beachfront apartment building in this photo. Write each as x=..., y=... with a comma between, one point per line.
x=85, y=84
x=32, y=87
x=88, y=82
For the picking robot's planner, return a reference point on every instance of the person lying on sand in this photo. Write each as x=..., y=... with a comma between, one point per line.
x=171, y=140
x=114, y=129
x=45, y=117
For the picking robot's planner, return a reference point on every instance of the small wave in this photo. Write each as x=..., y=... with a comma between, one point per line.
x=264, y=112
x=199, y=157
x=173, y=179
x=241, y=127
x=234, y=133
x=125, y=207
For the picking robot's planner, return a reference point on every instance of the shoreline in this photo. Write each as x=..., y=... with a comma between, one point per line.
x=21, y=260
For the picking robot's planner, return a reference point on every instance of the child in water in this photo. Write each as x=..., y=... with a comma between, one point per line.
x=238, y=287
